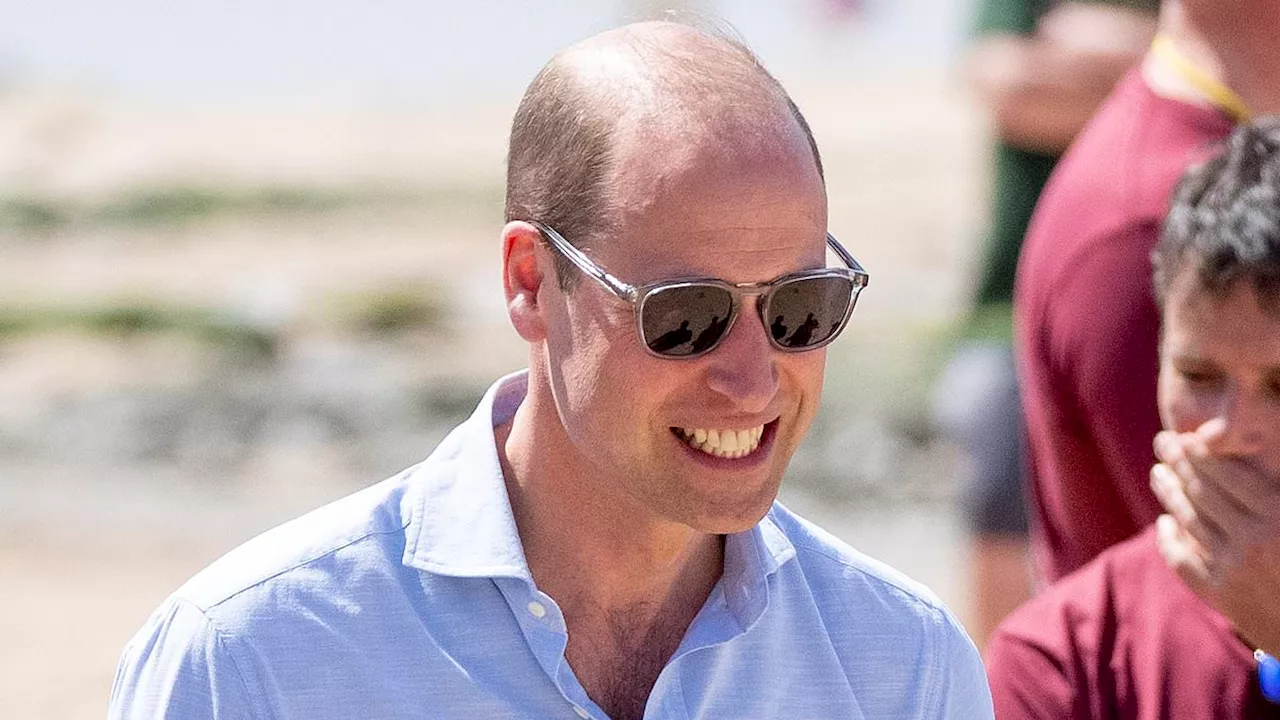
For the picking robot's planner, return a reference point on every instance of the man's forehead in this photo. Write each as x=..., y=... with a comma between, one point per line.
x=713, y=163
x=1232, y=321
x=680, y=218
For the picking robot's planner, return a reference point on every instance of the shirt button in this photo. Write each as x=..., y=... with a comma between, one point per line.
x=581, y=712
x=537, y=609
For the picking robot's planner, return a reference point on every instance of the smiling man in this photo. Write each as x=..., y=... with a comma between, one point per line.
x=601, y=538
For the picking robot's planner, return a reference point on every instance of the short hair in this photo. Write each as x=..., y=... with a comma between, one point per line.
x=560, y=155
x=1224, y=219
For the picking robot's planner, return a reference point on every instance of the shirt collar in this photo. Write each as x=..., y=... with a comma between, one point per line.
x=750, y=557
x=460, y=521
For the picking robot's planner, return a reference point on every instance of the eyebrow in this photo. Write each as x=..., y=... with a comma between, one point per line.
x=1187, y=357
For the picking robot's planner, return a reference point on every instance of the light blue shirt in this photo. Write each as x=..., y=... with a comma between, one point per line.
x=412, y=599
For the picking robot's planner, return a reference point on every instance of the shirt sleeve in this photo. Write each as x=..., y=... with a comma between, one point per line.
x=963, y=693
x=1104, y=348
x=178, y=668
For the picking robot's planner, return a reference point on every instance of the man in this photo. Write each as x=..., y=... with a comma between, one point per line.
x=1040, y=69
x=600, y=539
x=1166, y=625
x=1085, y=325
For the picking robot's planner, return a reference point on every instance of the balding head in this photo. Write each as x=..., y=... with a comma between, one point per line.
x=659, y=86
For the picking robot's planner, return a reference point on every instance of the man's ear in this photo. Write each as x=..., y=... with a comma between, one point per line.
x=522, y=279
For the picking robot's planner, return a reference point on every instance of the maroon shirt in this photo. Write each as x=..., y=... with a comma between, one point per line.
x=1086, y=325
x=1123, y=638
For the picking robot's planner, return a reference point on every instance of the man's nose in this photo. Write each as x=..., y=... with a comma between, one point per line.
x=1239, y=425
x=744, y=367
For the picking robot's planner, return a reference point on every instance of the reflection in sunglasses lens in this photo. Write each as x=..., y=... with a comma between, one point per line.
x=690, y=319
x=808, y=311
x=685, y=319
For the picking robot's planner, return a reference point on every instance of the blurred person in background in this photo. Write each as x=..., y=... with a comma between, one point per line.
x=1182, y=621
x=601, y=538
x=1086, y=324
x=1041, y=69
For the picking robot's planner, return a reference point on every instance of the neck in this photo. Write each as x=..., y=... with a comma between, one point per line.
x=586, y=541
x=1258, y=84
x=1249, y=74
x=1194, y=65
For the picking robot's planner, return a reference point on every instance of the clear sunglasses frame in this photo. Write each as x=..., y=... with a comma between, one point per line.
x=637, y=295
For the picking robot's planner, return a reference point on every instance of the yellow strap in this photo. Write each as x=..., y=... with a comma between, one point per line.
x=1166, y=52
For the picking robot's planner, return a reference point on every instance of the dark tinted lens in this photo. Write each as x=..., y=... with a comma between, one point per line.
x=685, y=319
x=808, y=311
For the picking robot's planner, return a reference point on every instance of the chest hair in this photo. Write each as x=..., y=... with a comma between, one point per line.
x=618, y=656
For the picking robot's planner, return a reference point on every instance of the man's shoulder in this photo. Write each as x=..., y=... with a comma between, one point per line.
x=857, y=583
x=1126, y=587
x=1082, y=610
x=1122, y=631
x=892, y=635
x=1121, y=169
x=359, y=533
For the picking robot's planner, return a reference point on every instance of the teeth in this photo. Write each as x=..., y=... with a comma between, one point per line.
x=724, y=443
x=729, y=441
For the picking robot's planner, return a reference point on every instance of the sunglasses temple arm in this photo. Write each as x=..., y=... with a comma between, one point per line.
x=584, y=263
x=597, y=273
x=845, y=257
x=616, y=286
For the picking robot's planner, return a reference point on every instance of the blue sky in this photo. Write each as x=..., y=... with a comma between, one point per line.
x=404, y=52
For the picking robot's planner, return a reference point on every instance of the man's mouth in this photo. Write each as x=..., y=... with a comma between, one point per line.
x=722, y=443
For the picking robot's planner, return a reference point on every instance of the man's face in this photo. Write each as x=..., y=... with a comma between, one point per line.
x=1220, y=370
x=739, y=210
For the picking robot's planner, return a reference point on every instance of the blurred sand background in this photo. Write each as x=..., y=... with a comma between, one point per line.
x=219, y=311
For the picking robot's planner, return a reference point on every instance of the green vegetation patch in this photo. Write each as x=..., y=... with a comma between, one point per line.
x=400, y=310
x=34, y=216
x=128, y=318
x=181, y=204
x=393, y=310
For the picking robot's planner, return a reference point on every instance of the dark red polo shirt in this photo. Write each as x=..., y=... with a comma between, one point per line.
x=1122, y=639
x=1086, y=326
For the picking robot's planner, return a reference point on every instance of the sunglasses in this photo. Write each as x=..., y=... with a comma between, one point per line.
x=686, y=318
